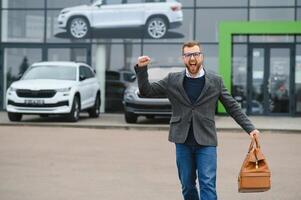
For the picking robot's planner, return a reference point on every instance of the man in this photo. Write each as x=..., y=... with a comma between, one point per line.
x=193, y=95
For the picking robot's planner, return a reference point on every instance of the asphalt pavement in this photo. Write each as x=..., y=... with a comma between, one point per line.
x=59, y=163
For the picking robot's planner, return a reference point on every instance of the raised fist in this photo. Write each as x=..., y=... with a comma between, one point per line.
x=143, y=61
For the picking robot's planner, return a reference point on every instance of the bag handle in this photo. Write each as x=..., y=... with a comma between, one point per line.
x=255, y=141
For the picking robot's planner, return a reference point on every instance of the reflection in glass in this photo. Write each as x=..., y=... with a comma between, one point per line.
x=117, y=56
x=219, y=3
x=257, y=103
x=23, y=3
x=67, y=54
x=164, y=55
x=239, y=74
x=16, y=62
x=211, y=57
x=188, y=3
x=239, y=38
x=272, y=3
x=22, y=26
x=271, y=38
x=278, y=86
x=298, y=79
x=66, y=3
x=208, y=21
x=274, y=14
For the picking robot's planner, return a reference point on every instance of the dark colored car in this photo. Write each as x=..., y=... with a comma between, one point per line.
x=116, y=83
x=136, y=105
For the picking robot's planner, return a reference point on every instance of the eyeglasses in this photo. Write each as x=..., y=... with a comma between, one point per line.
x=194, y=54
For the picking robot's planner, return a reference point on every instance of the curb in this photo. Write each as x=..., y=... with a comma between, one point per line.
x=144, y=127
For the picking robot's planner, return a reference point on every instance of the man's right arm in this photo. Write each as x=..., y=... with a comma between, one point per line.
x=145, y=87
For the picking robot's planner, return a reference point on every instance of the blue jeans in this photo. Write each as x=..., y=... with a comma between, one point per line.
x=193, y=162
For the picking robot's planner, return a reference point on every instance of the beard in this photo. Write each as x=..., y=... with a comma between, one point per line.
x=193, y=67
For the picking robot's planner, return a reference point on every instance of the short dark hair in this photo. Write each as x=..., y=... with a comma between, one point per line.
x=191, y=44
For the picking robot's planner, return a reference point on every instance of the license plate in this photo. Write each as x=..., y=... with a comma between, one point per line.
x=34, y=101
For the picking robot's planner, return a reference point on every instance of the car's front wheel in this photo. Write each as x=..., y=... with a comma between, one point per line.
x=75, y=110
x=156, y=27
x=95, y=110
x=78, y=27
x=130, y=117
x=14, y=117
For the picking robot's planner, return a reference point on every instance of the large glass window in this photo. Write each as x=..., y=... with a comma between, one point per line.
x=116, y=56
x=208, y=21
x=23, y=3
x=272, y=3
x=182, y=33
x=22, y=26
x=67, y=54
x=16, y=62
x=271, y=38
x=66, y=3
x=218, y=3
x=239, y=38
x=164, y=55
x=298, y=79
x=187, y=3
x=239, y=74
x=211, y=57
x=274, y=14
x=171, y=55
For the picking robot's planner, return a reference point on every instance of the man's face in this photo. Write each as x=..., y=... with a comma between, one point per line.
x=193, y=59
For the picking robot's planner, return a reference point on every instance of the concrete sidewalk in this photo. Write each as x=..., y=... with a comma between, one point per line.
x=115, y=121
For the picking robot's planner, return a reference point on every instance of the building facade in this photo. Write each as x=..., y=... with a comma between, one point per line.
x=265, y=68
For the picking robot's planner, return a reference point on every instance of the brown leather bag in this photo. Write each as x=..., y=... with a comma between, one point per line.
x=255, y=175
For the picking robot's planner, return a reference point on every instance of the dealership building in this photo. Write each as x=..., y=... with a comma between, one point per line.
x=254, y=45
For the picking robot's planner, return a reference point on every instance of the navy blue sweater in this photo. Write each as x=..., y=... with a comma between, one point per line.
x=193, y=88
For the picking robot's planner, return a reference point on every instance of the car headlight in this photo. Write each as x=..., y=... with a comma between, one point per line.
x=12, y=89
x=64, y=89
x=130, y=94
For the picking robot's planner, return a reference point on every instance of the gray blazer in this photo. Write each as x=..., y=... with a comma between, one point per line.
x=201, y=113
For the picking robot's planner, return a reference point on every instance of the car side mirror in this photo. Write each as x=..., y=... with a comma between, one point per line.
x=133, y=78
x=82, y=77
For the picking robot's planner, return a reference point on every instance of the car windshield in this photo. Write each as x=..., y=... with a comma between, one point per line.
x=51, y=72
x=158, y=73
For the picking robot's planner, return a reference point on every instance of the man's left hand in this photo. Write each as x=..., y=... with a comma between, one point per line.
x=254, y=132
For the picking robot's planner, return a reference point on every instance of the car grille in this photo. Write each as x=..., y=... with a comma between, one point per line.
x=36, y=93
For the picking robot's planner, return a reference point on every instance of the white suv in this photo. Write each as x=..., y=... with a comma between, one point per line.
x=54, y=88
x=156, y=16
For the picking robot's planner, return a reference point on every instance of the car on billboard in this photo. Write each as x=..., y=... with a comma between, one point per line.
x=136, y=105
x=155, y=16
x=52, y=88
